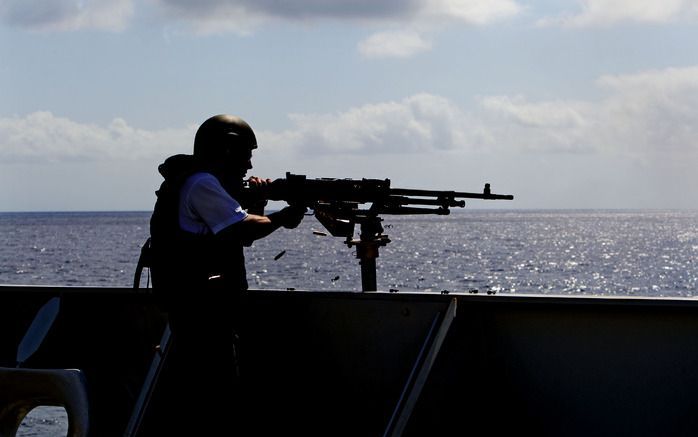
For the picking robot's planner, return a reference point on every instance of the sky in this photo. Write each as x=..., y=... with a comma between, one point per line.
x=564, y=104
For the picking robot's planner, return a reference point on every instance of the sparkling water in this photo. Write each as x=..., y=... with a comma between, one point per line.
x=648, y=253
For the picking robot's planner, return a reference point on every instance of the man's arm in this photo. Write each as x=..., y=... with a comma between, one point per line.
x=254, y=227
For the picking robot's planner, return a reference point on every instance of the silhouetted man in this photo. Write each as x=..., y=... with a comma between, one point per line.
x=199, y=227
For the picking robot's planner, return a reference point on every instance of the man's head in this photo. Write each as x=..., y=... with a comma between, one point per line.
x=226, y=141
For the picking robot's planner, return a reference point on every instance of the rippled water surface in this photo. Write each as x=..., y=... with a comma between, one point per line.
x=582, y=252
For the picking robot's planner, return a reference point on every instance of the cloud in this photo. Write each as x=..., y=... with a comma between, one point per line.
x=654, y=110
x=297, y=10
x=549, y=126
x=647, y=116
x=427, y=123
x=44, y=137
x=67, y=15
x=427, y=16
x=609, y=12
x=242, y=16
x=471, y=11
x=421, y=122
x=393, y=44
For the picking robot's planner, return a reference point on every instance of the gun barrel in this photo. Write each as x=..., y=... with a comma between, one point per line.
x=450, y=194
x=444, y=202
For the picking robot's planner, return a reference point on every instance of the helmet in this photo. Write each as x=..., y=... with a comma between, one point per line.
x=223, y=137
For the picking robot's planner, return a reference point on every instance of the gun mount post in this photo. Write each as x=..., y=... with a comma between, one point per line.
x=370, y=240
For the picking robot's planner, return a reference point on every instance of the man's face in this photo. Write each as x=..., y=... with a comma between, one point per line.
x=237, y=161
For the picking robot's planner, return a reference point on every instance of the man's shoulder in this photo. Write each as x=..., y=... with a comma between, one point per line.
x=202, y=179
x=202, y=176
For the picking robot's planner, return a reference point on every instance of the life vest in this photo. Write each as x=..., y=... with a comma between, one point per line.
x=183, y=260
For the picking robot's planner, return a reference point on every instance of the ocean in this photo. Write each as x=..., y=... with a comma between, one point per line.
x=578, y=252
x=639, y=253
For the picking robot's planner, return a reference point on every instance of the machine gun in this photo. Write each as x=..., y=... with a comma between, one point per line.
x=336, y=205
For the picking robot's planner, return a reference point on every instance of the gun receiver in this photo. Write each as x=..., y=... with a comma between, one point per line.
x=335, y=203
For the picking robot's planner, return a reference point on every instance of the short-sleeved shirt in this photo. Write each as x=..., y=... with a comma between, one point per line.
x=205, y=207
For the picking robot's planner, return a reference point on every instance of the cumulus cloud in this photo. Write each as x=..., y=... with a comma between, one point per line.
x=67, y=15
x=418, y=123
x=244, y=15
x=44, y=137
x=215, y=10
x=393, y=44
x=549, y=126
x=650, y=115
x=645, y=115
x=609, y=12
x=471, y=11
x=426, y=122
x=654, y=110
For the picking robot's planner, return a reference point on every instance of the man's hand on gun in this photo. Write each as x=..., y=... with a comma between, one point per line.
x=257, y=207
x=291, y=216
x=255, y=181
